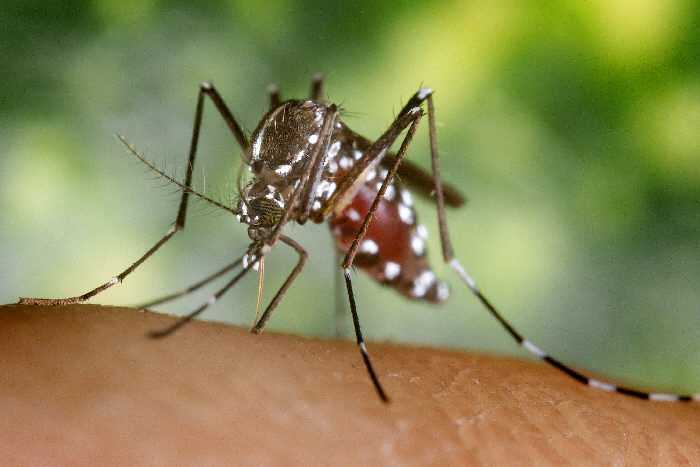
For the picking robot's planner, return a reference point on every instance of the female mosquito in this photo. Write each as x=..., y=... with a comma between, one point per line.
x=307, y=164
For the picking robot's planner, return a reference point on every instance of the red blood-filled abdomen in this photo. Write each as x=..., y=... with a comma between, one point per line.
x=393, y=251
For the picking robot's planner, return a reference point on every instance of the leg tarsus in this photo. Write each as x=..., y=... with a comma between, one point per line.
x=207, y=89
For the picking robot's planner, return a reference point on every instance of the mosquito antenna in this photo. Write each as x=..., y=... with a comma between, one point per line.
x=167, y=177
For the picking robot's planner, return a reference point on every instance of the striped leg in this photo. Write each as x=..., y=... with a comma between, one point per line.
x=247, y=266
x=411, y=117
x=192, y=288
x=448, y=255
x=361, y=340
x=205, y=89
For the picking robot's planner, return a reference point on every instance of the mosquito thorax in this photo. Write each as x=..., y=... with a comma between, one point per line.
x=279, y=148
x=285, y=138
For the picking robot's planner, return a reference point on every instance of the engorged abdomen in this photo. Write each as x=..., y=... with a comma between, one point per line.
x=393, y=251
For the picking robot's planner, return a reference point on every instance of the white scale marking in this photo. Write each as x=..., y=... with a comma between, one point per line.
x=533, y=349
x=417, y=245
x=333, y=150
x=369, y=246
x=594, y=383
x=454, y=264
x=353, y=215
x=392, y=270
x=113, y=281
x=655, y=396
x=357, y=154
x=424, y=92
x=256, y=147
x=345, y=162
x=316, y=206
x=421, y=231
x=422, y=283
x=325, y=189
x=443, y=291
x=283, y=169
x=406, y=214
x=406, y=198
x=313, y=139
x=390, y=193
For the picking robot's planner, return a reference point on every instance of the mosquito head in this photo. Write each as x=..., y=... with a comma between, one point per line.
x=285, y=138
x=261, y=207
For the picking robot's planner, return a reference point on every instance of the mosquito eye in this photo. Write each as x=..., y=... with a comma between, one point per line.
x=267, y=210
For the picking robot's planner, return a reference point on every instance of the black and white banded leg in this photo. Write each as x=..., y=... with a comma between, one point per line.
x=449, y=257
x=411, y=117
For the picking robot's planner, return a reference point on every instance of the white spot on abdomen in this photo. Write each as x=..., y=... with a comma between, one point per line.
x=369, y=246
x=422, y=283
x=406, y=214
x=417, y=245
x=392, y=270
x=353, y=215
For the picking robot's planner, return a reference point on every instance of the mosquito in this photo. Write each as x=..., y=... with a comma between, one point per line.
x=308, y=165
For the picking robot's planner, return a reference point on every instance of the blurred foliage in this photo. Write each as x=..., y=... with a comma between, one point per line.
x=572, y=126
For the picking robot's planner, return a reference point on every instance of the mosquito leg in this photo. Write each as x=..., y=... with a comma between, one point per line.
x=192, y=288
x=374, y=154
x=415, y=115
x=115, y=280
x=448, y=256
x=317, y=87
x=213, y=299
x=339, y=300
x=205, y=89
x=303, y=255
x=275, y=99
x=361, y=340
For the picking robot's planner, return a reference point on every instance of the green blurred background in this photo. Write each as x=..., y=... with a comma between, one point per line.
x=572, y=127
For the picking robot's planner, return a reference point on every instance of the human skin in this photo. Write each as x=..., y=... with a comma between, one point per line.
x=82, y=385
